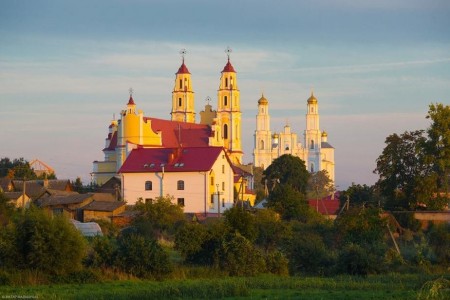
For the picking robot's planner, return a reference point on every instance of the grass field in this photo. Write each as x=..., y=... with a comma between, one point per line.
x=392, y=286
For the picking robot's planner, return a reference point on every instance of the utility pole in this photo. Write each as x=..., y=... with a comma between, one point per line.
x=218, y=199
x=23, y=195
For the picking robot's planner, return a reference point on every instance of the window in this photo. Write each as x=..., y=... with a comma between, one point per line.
x=287, y=147
x=148, y=200
x=261, y=145
x=180, y=102
x=57, y=211
x=180, y=202
x=212, y=180
x=225, y=131
x=181, y=84
x=212, y=199
x=312, y=144
x=226, y=82
x=225, y=100
x=223, y=186
x=180, y=185
x=312, y=167
x=223, y=202
x=148, y=185
x=223, y=169
x=312, y=109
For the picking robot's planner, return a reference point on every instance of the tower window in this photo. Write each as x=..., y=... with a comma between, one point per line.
x=225, y=131
x=180, y=185
x=223, y=169
x=226, y=82
x=312, y=144
x=181, y=84
x=312, y=168
x=225, y=100
x=223, y=186
x=180, y=102
x=148, y=185
x=261, y=145
x=312, y=109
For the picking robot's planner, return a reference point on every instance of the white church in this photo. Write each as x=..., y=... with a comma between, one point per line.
x=315, y=150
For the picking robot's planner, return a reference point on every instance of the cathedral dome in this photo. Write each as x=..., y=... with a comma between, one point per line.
x=263, y=100
x=312, y=99
x=324, y=134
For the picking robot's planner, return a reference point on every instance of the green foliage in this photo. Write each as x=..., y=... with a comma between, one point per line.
x=6, y=210
x=287, y=170
x=270, y=229
x=439, y=239
x=157, y=217
x=142, y=257
x=103, y=252
x=277, y=263
x=242, y=221
x=35, y=239
x=360, y=195
x=288, y=202
x=239, y=257
x=16, y=169
x=319, y=185
x=189, y=240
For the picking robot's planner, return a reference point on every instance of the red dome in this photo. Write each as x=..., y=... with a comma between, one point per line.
x=228, y=67
x=183, y=69
x=131, y=101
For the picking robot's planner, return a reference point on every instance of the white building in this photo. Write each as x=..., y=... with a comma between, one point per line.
x=317, y=153
x=195, y=176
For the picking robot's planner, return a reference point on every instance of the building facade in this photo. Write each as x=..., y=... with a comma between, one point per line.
x=315, y=150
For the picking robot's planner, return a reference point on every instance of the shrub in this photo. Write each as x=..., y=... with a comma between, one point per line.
x=103, y=252
x=277, y=263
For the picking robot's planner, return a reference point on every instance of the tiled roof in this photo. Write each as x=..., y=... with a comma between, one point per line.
x=66, y=199
x=112, y=143
x=149, y=160
x=175, y=133
x=228, y=67
x=326, y=205
x=13, y=195
x=183, y=69
x=103, y=205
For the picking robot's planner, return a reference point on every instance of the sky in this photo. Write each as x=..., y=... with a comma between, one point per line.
x=66, y=67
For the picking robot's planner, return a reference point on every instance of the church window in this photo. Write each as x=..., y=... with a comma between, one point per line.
x=312, y=109
x=181, y=84
x=223, y=169
x=148, y=185
x=312, y=144
x=212, y=180
x=225, y=131
x=180, y=102
x=287, y=147
x=223, y=186
x=226, y=82
x=180, y=202
x=212, y=199
x=225, y=100
x=261, y=145
x=312, y=168
x=180, y=185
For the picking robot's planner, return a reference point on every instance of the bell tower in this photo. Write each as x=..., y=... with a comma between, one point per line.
x=229, y=111
x=262, y=154
x=183, y=109
x=313, y=135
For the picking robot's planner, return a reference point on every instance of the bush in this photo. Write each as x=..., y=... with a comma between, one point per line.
x=438, y=237
x=37, y=241
x=103, y=252
x=277, y=263
x=142, y=257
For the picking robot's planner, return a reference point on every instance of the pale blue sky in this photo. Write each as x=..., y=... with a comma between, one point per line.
x=66, y=66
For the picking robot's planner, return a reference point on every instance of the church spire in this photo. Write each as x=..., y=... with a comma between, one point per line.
x=182, y=95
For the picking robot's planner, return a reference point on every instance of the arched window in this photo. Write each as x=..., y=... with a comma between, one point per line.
x=261, y=145
x=312, y=109
x=312, y=168
x=148, y=186
x=180, y=102
x=225, y=131
x=180, y=185
x=225, y=100
x=312, y=144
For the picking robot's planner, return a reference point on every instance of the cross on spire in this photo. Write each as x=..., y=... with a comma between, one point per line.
x=130, y=90
x=208, y=100
x=183, y=53
x=228, y=52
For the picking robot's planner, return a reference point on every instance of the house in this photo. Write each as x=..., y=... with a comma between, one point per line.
x=68, y=205
x=18, y=199
x=102, y=210
x=328, y=206
x=37, y=188
x=6, y=185
x=201, y=179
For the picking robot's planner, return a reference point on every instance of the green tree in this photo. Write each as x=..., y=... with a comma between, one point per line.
x=16, y=169
x=287, y=170
x=189, y=240
x=157, y=217
x=360, y=195
x=319, y=185
x=242, y=221
x=438, y=146
x=270, y=229
x=102, y=253
x=401, y=167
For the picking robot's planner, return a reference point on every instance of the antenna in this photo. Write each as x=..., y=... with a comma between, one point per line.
x=228, y=52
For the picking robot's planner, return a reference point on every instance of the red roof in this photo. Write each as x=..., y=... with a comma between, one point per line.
x=112, y=143
x=175, y=133
x=183, y=69
x=327, y=206
x=228, y=67
x=150, y=160
x=131, y=101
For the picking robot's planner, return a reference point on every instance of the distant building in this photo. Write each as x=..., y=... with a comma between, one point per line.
x=315, y=150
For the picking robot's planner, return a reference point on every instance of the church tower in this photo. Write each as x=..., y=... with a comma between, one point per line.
x=313, y=135
x=229, y=111
x=182, y=96
x=262, y=154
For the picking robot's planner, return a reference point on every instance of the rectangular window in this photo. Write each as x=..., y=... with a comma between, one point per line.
x=148, y=200
x=212, y=180
x=180, y=202
x=212, y=199
x=181, y=84
x=57, y=211
x=180, y=185
x=223, y=186
x=223, y=169
x=148, y=186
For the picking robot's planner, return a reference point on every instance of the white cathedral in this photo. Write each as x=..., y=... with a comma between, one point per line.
x=316, y=152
